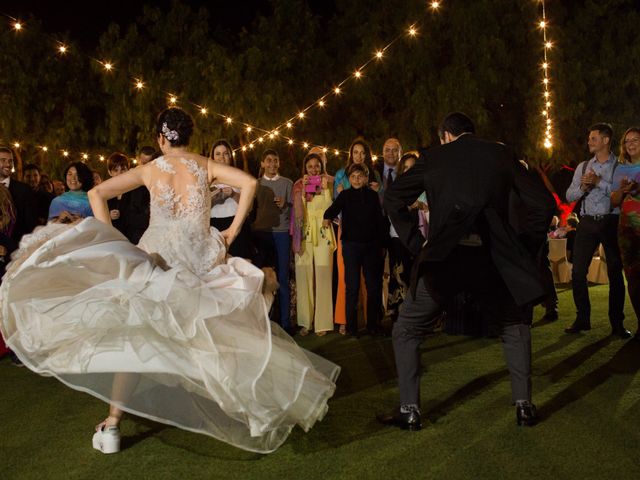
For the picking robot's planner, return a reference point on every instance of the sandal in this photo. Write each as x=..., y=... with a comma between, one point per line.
x=342, y=330
x=321, y=334
x=304, y=332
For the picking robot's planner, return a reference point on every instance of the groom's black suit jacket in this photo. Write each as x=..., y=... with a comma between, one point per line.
x=468, y=183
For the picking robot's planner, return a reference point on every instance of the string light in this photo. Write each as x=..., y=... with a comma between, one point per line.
x=101, y=158
x=16, y=145
x=320, y=103
x=543, y=24
x=85, y=156
x=65, y=153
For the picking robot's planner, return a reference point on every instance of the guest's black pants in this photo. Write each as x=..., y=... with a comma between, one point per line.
x=591, y=232
x=468, y=269
x=365, y=258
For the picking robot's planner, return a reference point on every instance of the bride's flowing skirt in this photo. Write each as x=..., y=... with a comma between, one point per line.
x=84, y=305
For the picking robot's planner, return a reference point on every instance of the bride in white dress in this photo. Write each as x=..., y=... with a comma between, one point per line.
x=171, y=330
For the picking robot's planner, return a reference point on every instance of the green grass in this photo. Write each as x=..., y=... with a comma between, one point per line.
x=587, y=388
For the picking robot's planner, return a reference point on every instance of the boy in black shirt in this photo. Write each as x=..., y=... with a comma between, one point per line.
x=362, y=235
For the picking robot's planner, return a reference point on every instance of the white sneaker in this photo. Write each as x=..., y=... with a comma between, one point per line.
x=107, y=440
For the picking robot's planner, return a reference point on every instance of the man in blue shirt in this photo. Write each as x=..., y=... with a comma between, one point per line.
x=591, y=184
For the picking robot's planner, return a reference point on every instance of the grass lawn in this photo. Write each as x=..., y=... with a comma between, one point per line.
x=587, y=388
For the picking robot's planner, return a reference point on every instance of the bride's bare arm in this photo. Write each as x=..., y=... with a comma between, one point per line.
x=111, y=188
x=239, y=179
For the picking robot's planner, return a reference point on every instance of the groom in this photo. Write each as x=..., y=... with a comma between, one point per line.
x=471, y=247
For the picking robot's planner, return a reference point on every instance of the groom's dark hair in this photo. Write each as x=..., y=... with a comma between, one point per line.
x=456, y=124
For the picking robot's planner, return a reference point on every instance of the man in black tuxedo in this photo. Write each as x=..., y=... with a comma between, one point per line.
x=471, y=247
x=23, y=198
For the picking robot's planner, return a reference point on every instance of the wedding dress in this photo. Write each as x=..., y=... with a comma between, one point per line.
x=182, y=330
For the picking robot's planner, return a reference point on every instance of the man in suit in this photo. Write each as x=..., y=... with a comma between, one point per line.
x=23, y=198
x=471, y=247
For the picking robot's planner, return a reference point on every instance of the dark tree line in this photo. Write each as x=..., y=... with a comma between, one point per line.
x=481, y=57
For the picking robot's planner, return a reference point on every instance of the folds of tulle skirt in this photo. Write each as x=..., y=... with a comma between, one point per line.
x=84, y=305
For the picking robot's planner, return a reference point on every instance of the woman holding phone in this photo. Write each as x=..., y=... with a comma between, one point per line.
x=313, y=245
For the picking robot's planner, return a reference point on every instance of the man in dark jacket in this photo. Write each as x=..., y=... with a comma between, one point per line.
x=471, y=247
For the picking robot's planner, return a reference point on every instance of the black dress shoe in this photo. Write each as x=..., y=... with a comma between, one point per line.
x=621, y=333
x=406, y=421
x=550, y=316
x=577, y=328
x=526, y=414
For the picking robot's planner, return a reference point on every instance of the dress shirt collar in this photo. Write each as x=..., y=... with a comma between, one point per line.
x=271, y=179
x=6, y=181
x=386, y=171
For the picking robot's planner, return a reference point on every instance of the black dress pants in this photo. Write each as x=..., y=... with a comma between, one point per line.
x=591, y=232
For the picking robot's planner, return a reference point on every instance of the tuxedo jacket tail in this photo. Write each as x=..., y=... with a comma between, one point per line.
x=468, y=183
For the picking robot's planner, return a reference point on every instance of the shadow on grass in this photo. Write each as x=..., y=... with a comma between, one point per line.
x=439, y=408
x=625, y=361
x=371, y=361
x=574, y=361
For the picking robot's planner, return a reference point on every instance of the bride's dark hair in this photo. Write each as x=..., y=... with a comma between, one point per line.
x=175, y=125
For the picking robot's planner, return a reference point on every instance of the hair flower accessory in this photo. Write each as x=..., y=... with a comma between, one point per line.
x=170, y=135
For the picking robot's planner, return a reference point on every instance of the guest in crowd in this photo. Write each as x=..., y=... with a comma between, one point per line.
x=97, y=178
x=32, y=177
x=401, y=261
x=224, y=204
x=627, y=196
x=145, y=155
x=22, y=195
x=135, y=205
x=359, y=153
x=73, y=204
x=46, y=185
x=388, y=169
x=7, y=222
x=58, y=187
x=117, y=163
x=271, y=228
x=313, y=245
x=362, y=236
x=592, y=182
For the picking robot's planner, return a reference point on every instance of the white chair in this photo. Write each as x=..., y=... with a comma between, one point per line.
x=560, y=266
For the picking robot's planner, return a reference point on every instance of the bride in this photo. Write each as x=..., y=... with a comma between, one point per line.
x=172, y=330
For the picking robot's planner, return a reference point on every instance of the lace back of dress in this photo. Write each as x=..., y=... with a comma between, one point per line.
x=178, y=189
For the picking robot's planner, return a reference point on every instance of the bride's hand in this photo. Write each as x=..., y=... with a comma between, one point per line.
x=229, y=236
